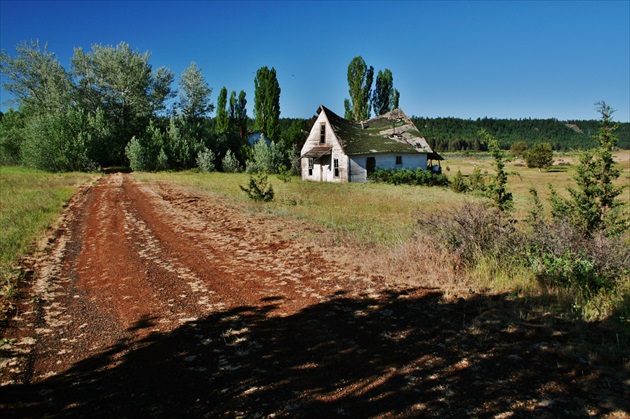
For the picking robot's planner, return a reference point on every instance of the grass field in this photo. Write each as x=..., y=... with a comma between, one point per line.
x=30, y=201
x=366, y=215
x=372, y=213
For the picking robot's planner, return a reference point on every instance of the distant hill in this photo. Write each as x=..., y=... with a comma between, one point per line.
x=455, y=134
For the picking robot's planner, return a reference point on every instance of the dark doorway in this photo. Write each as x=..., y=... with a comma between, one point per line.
x=370, y=165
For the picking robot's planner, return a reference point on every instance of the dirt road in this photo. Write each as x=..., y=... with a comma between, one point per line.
x=156, y=300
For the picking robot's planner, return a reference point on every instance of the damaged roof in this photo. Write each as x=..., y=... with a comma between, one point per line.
x=392, y=132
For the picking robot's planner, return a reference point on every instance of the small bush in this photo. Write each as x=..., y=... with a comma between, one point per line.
x=477, y=182
x=284, y=174
x=259, y=188
x=230, y=163
x=561, y=256
x=205, y=161
x=458, y=184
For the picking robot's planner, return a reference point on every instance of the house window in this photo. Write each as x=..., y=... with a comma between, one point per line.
x=399, y=160
x=336, y=167
x=310, y=167
x=322, y=133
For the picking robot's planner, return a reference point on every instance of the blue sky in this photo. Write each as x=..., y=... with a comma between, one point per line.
x=467, y=59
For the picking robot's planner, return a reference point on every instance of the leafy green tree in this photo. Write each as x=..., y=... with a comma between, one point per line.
x=384, y=98
x=12, y=137
x=238, y=113
x=360, y=78
x=593, y=206
x=540, y=156
x=36, y=79
x=518, y=148
x=194, y=94
x=223, y=118
x=144, y=151
x=63, y=141
x=122, y=84
x=182, y=144
x=267, y=102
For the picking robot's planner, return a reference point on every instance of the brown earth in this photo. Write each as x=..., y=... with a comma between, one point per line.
x=157, y=300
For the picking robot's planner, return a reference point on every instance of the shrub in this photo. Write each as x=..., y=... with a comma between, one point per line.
x=409, y=177
x=458, y=184
x=560, y=255
x=284, y=174
x=205, y=160
x=473, y=231
x=259, y=188
x=11, y=137
x=230, y=163
x=146, y=153
x=477, y=182
x=265, y=158
x=540, y=156
x=62, y=141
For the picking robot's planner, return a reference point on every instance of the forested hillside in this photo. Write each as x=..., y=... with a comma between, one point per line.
x=454, y=134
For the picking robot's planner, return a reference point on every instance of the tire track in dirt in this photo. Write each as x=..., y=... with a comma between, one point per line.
x=135, y=259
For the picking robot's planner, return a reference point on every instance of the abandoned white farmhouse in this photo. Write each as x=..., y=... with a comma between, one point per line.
x=338, y=150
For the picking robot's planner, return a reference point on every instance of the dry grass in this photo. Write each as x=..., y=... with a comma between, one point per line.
x=364, y=214
x=522, y=179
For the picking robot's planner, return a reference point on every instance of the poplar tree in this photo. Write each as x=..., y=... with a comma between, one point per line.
x=267, y=102
x=360, y=78
x=223, y=120
x=384, y=97
x=240, y=113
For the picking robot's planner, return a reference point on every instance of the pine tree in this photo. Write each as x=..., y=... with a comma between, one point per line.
x=593, y=205
x=497, y=191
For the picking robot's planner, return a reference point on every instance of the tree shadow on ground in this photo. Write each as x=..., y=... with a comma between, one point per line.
x=405, y=353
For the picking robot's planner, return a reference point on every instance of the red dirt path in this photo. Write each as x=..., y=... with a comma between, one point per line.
x=157, y=300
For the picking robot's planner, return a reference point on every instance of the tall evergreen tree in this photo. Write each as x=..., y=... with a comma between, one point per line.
x=267, y=102
x=223, y=118
x=593, y=205
x=360, y=78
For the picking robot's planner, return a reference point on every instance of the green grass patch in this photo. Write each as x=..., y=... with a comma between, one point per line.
x=30, y=201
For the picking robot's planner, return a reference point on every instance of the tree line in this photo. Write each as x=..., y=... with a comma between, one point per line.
x=112, y=108
x=455, y=134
